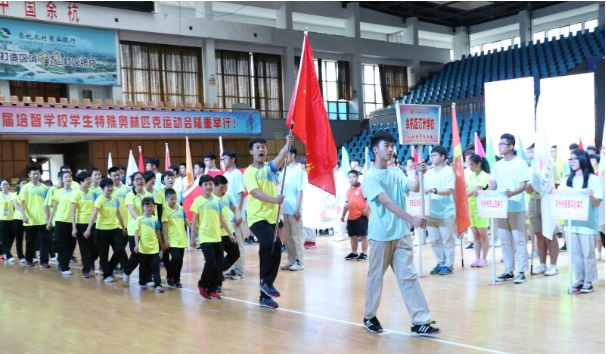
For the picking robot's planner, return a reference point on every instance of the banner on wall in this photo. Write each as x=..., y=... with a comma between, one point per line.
x=74, y=121
x=34, y=51
x=418, y=124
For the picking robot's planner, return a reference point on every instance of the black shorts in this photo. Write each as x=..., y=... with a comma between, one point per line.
x=358, y=227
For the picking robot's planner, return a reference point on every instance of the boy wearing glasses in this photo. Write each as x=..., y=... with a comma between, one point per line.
x=509, y=176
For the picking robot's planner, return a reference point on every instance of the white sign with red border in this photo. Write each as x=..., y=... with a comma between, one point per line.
x=570, y=204
x=492, y=204
x=418, y=124
x=413, y=204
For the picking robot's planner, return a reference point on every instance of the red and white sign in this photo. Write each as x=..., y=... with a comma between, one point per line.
x=570, y=205
x=418, y=124
x=413, y=204
x=492, y=204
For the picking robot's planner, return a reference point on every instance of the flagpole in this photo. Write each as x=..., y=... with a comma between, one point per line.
x=421, y=236
x=494, y=260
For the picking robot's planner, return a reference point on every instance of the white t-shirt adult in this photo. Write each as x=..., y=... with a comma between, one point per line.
x=591, y=225
x=293, y=184
x=441, y=206
x=235, y=186
x=509, y=175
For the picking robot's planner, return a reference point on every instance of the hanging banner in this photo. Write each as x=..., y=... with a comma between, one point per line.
x=570, y=204
x=34, y=51
x=418, y=124
x=492, y=204
x=75, y=121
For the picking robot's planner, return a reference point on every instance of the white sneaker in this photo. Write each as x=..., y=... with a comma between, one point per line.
x=598, y=256
x=108, y=280
x=296, y=266
x=551, y=270
x=286, y=266
x=66, y=272
x=539, y=270
x=21, y=260
x=53, y=260
x=125, y=277
x=150, y=284
x=11, y=260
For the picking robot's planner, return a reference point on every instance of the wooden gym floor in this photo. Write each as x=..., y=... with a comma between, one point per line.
x=321, y=311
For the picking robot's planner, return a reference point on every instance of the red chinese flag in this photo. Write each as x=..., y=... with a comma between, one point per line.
x=461, y=202
x=581, y=144
x=415, y=157
x=166, y=159
x=308, y=114
x=141, y=163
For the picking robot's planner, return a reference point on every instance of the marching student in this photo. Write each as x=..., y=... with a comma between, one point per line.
x=262, y=211
x=61, y=215
x=210, y=163
x=174, y=221
x=34, y=218
x=291, y=213
x=583, y=232
x=7, y=212
x=18, y=220
x=207, y=224
x=389, y=235
x=356, y=206
x=235, y=192
x=478, y=179
x=152, y=164
x=148, y=242
x=181, y=179
x=120, y=192
x=228, y=238
x=95, y=175
x=83, y=204
x=510, y=175
x=168, y=182
x=133, y=202
x=440, y=184
x=110, y=229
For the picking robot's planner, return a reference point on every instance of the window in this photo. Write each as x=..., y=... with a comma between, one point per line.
x=372, y=89
x=267, y=76
x=553, y=33
x=475, y=50
x=506, y=44
x=394, y=82
x=576, y=28
x=156, y=72
x=539, y=37
x=516, y=41
x=487, y=48
x=35, y=89
x=591, y=25
x=452, y=58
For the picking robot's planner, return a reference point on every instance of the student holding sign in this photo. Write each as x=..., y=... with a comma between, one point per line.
x=478, y=180
x=440, y=184
x=510, y=175
x=583, y=232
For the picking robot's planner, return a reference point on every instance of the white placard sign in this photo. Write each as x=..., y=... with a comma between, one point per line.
x=413, y=204
x=570, y=204
x=418, y=124
x=492, y=204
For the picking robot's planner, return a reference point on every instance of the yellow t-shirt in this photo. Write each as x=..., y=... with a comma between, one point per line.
x=175, y=225
x=474, y=180
x=107, y=214
x=209, y=224
x=48, y=201
x=121, y=193
x=85, y=202
x=33, y=196
x=225, y=204
x=18, y=215
x=160, y=198
x=148, y=239
x=264, y=179
x=64, y=205
x=97, y=190
x=132, y=199
x=75, y=185
x=7, y=210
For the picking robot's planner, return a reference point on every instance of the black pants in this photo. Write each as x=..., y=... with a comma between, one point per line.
x=602, y=236
x=133, y=259
x=66, y=243
x=18, y=228
x=232, y=253
x=106, y=238
x=269, y=262
x=44, y=237
x=213, y=253
x=86, y=246
x=149, y=266
x=174, y=263
x=8, y=236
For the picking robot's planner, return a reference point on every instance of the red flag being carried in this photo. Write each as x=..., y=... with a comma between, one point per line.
x=581, y=144
x=166, y=159
x=460, y=197
x=415, y=157
x=141, y=163
x=308, y=114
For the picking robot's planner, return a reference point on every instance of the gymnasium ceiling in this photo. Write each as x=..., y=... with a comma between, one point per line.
x=454, y=13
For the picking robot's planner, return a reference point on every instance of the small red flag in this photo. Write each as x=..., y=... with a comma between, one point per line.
x=166, y=159
x=311, y=125
x=141, y=163
x=460, y=197
x=415, y=157
x=581, y=144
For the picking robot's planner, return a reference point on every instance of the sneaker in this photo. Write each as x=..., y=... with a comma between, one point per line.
x=587, y=288
x=373, y=325
x=551, y=270
x=161, y=264
x=436, y=270
x=108, y=280
x=598, y=256
x=310, y=245
x=269, y=290
x=150, y=284
x=296, y=266
x=85, y=275
x=73, y=260
x=352, y=255
x=470, y=247
x=236, y=276
x=44, y=266
x=362, y=257
x=483, y=263
x=29, y=264
x=446, y=271
x=142, y=287
x=534, y=254
x=425, y=330
x=563, y=248
x=11, y=260
x=268, y=303
x=203, y=292
x=519, y=279
x=21, y=260
x=125, y=277
x=476, y=263
x=1, y=256
x=286, y=266
x=159, y=289
x=539, y=270
x=578, y=286
x=283, y=249
x=170, y=282
x=67, y=272
x=214, y=296
x=505, y=277
x=178, y=285
x=53, y=260
x=219, y=290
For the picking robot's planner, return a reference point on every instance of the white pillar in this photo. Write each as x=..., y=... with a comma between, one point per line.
x=413, y=73
x=209, y=71
x=5, y=89
x=289, y=76
x=601, y=14
x=357, y=86
x=461, y=42
x=284, y=16
x=352, y=20
x=525, y=24
x=411, y=32
x=116, y=93
x=73, y=91
x=204, y=9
